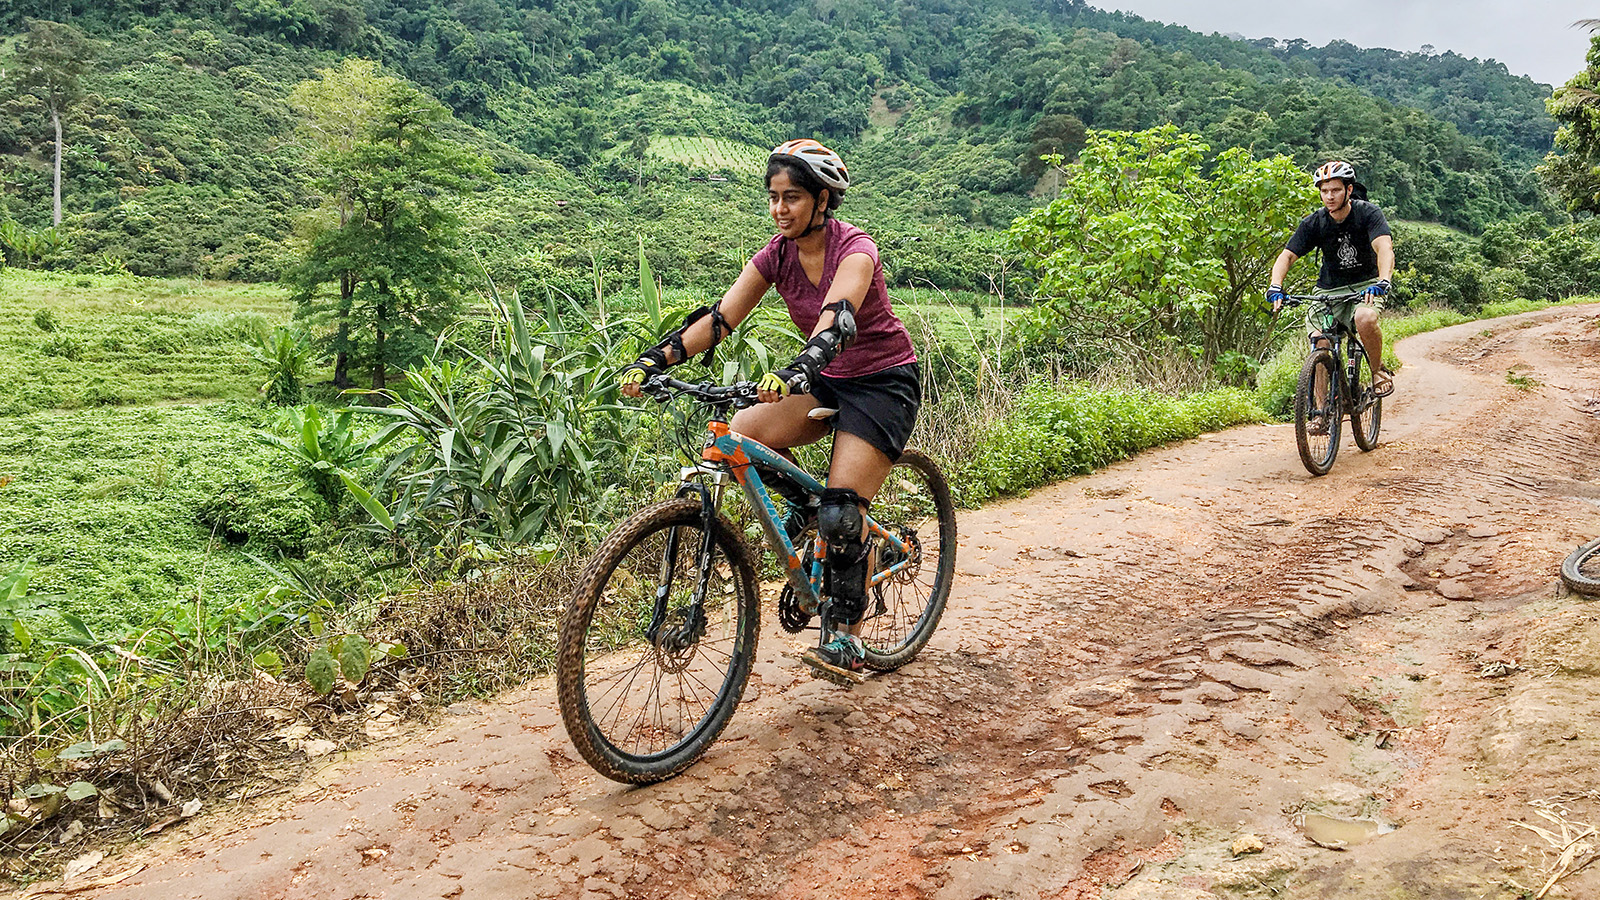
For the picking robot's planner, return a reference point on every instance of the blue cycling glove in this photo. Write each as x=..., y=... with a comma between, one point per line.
x=1275, y=295
x=1378, y=289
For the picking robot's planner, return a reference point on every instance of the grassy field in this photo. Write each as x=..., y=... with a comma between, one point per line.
x=101, y=505
x=702, y=154
x=76, y=341
x=125, y=404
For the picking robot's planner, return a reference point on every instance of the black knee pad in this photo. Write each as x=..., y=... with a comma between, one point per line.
x=840, y=523
x=839, y=517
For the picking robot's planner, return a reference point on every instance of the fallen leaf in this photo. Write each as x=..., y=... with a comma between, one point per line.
x=72, y=832
x=162, y=825
x=82, y=864
x=106, y=881
x=191, y=808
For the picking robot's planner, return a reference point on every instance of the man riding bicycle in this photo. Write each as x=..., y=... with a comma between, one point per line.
x=1357, y=255
x=858, y=360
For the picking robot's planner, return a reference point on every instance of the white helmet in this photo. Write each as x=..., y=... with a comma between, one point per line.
x=823, y=163
x=1332, y=170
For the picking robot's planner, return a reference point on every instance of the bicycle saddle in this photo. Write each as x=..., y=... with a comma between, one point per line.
x=822, y=412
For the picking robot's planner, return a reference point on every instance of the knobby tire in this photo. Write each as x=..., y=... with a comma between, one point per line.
x=1366, y=411
x=1581, y=569
x=1318, y=451
x=903, y=611
x=685, y=692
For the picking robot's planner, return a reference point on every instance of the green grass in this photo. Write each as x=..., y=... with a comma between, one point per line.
x=113, y=432
x=1051, y=433
x=75, y=341
x=102, y=502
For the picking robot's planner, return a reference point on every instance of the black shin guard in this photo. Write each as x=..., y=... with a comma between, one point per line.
x=840, y=524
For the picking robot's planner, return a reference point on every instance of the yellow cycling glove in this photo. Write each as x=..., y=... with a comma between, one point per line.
x=774, y=382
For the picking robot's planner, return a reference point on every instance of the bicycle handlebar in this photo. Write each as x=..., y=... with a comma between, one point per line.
x=661, y=388
x=1298, y=299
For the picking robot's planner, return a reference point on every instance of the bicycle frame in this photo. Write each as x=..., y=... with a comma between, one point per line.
x=727, y=451
x=1345, y=344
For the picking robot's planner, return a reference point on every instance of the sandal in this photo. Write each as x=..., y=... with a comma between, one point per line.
x=1383, y=383
x=1317, y=425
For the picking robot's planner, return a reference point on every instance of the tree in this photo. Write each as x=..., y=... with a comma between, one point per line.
x=394, y=253
x=1573, y=174
x=1151, y=249
x=51, y=60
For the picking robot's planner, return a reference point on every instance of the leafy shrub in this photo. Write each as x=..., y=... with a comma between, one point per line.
x=1278, y=377
x=244, y=511
x=98, y=391
x=62, y=345
x=45, y=319
x=324, y=451
x=1054, y=433
x=286, y=352
x=507, y=443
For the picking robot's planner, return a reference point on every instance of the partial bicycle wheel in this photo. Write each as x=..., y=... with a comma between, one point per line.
x=1366, y=410
x=1316, y=424
x=647, y=678
x=902, y=611
x=1581, y=569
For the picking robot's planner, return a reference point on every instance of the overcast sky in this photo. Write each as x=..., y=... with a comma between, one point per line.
x=1532, y=37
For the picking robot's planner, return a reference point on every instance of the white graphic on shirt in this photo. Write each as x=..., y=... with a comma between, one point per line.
x=1346, y=252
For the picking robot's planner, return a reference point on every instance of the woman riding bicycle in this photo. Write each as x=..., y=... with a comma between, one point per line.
x=858, y=360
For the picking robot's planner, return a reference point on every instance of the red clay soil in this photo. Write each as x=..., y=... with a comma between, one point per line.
x=1137, y=669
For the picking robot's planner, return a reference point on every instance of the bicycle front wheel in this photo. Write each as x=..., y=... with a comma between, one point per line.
x=1316, y=423
x=1366, y=410
x=648, y=677
x=914, y=504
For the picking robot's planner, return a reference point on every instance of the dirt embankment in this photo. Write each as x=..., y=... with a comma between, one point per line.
x=1137, y=670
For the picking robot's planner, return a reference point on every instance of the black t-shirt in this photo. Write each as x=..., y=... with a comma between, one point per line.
x=1347, y=254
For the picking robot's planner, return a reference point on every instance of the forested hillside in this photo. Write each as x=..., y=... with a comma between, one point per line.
x=604, y=120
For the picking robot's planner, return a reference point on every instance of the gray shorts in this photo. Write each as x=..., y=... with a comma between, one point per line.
x=1344, y=311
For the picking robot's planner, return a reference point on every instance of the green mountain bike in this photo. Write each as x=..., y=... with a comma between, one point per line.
x=661, y=631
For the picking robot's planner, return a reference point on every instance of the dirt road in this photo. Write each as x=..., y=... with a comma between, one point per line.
x=1137, y=669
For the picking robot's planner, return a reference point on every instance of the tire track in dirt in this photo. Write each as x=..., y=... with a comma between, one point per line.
x=1136, y=667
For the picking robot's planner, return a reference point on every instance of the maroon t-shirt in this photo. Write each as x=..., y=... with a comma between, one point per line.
x=881, y=338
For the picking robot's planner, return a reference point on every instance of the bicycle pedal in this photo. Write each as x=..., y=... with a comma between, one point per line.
x=838, y=676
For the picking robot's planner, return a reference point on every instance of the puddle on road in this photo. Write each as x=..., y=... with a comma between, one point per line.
x=1336, y=834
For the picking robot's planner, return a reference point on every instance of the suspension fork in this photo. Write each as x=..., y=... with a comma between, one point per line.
x=694, y=626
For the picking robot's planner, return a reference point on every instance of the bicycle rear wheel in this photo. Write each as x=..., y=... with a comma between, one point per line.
x=915, y=505
x=1366, y=410
x=1316, y=425
x=1581, y=569
x=646, y=682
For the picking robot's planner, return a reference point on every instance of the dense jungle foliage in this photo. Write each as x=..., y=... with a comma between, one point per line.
x=181, y=154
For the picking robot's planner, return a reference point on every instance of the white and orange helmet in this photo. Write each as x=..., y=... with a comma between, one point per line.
x=1331, y=170
x=823, y=163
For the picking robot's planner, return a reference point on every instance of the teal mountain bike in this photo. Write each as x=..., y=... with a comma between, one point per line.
x=659, y=637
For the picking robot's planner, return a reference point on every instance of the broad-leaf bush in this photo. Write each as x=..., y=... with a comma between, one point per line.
x=1161, y=250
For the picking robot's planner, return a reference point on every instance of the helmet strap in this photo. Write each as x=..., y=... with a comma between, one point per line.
x=814, y=225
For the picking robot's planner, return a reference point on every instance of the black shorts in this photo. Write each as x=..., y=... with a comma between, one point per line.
x=880, y=408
